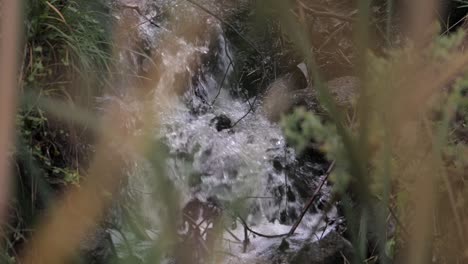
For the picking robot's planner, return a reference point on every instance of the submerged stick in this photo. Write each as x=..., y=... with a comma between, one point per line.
x=232, y=234
x=137, y=9
x=246, y=239
x=327, y=13
x=312, y=199
x=247, y=228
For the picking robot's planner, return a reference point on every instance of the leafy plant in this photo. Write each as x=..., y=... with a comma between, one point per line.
x=67, y=45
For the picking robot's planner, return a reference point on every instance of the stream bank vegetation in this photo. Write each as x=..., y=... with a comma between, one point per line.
x=397, y=151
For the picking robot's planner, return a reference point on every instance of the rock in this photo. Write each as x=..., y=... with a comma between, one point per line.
x=199, y=231
x=331, y=249
x=278, y=96
x=97, y=247
x=284, y=245
x=277, y=100
x=221, y=122
x=282, y=97
x=344, y=89
x=306, y=98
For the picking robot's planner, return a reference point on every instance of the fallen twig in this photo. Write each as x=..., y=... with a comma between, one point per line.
x=395, y=216
x=312, y=199
x=137, y=9
x=232, y=234
x=246, y=239
x=397, y=220
x=257, y=233
x=248, y=112
x=326, y=13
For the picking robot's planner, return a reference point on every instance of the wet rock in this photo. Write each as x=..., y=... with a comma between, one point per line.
x=282, y=98
x=200, y=230
x=284, y=245
x=277, y=99
x=277, y=164
x=331, y=249
x=290, y=194
x=97, y=247
x=304, y=177
x=344, y=91
x=197, y=106
x=221, y=122
x=195, y=179
x=306, y=98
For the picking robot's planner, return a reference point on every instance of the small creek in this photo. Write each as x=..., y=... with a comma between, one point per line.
x=249, y=162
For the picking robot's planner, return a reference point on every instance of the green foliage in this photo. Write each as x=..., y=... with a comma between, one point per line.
x=66, y=55
x=7, y=259
x=444, y=46
x=301, y=127
x=303, y=130
x=47, y=146
x=67, y=43
x=446, y=124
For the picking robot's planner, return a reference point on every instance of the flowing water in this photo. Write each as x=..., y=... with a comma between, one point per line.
x=248, y=164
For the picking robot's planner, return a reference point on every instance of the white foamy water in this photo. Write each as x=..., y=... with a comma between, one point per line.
x=236, y=163
x=246, y=163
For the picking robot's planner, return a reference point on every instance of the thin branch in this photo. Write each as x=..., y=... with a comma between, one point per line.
x=312, y=199
x=399, y=223
x=395, y=216
x=251, y=106
x=246, y=238
x=232, y=234
x=293, y=229
x=137, y=9
x=257, y=233
x=247, y=113
x=22, y=69
x=326, y=13
x=454, y=25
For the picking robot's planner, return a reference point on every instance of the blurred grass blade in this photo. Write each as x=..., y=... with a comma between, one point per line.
x=62, y=110
x=9, y=41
